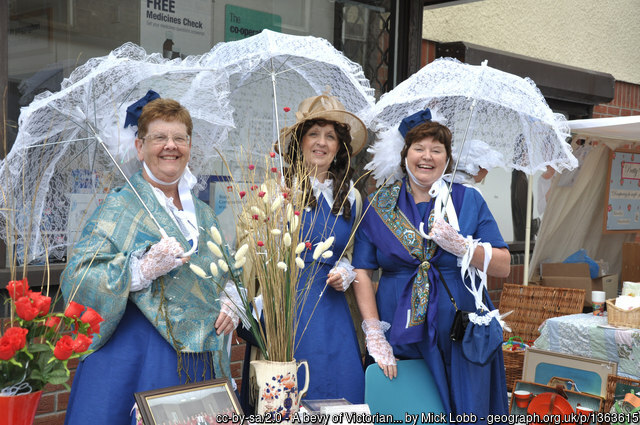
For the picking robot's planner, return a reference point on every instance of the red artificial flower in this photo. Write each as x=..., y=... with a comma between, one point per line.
x=25, y=308
x=6, y=349
x=41, y=302
x=64, y=348
x=93, y=318
x=286, y=109
x=242, y=194
x=285, y=195
x=272, y=154
x=53, y=322
x=254, y=187
x=274, y=169
x=252, y=167
x=82, y=343
x=261, y=194
x=308, y=245
x=296, y=213
x=260, y=243
x=74, y=310
x=17, y=288
x=17, y=337
x=255, y=216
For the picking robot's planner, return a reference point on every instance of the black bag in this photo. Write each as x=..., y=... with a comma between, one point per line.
x=460, y=319
x=459, y=325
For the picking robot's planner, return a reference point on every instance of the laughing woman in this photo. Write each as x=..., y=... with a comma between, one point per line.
x=421, y=275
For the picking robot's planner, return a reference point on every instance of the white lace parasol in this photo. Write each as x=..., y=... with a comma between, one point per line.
x=56, y=165
x=272, y=71
x=510, y=115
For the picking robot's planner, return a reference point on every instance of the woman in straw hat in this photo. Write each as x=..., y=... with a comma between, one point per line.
x=318, y=148
x=321, y=144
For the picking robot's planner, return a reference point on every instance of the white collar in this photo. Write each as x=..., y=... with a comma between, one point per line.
x=326, y=189
x=185, y=219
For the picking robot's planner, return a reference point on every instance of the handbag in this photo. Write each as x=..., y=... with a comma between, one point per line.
x=461, y=317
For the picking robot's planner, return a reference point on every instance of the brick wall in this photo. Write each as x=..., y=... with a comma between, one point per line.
x=626, y=102
x=53, y=403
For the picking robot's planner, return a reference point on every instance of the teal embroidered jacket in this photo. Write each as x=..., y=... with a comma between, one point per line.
x=182, y=306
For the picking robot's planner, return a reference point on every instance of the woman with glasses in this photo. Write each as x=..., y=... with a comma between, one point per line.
x=158, y=330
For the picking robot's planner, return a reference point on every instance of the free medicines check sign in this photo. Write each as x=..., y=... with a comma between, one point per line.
x=241, y=23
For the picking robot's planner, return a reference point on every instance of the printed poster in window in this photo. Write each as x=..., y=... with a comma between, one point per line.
x=176, y=28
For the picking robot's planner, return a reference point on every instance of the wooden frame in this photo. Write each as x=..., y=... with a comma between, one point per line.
x=213, y=400
x=623, y=171
x=590, y=375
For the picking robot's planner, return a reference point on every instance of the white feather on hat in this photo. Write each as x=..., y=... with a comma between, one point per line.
x=385, y=164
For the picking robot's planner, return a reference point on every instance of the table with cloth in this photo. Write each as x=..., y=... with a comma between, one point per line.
x=588, y=335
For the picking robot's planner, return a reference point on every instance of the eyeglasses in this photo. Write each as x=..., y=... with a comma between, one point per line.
x=181, y=140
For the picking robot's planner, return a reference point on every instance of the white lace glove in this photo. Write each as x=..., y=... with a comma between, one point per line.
x=231, y=304
x=161, y=258
x=377, y=344
x=448, y=238
x=345, y=270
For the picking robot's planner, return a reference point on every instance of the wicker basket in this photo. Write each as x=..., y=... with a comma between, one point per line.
x=619, y=317
x=612, y=383
x=532, y=305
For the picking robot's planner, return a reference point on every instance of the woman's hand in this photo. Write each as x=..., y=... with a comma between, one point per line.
x=378, y=346
x=448, y=238
x=341, y=275
x=335, y=281
x=225, y=324
x=161, y=258
x=230, y=309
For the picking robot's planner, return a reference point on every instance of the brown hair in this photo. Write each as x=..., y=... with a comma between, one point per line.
x=439, y=132
x=340, y=169
x=163, y=109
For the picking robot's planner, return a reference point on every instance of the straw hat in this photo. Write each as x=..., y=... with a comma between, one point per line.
x=329, y=108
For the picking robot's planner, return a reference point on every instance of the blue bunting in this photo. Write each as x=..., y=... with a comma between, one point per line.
x=413, y=120
x=135, y=109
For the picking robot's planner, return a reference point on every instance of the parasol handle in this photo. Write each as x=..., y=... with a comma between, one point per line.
x=163, y=233
x=275, y=110
x=455, y=167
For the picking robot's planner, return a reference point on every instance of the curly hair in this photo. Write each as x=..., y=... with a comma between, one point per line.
x=439, y=132
x=340, y=170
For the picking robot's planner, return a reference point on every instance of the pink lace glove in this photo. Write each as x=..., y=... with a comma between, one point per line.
x=161, y=258
x=377, y=344
x=448, y=238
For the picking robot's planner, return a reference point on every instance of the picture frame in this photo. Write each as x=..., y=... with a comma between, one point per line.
x=208, y=402
x=590, y=375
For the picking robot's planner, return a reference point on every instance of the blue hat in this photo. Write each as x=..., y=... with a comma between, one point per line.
x=135, y=109
x=413, y=120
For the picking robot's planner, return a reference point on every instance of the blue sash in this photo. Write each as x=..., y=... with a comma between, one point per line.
x=397, y=220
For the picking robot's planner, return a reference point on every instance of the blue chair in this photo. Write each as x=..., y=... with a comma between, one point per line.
x=412, y=392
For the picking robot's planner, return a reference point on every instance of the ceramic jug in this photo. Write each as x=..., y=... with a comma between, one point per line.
x=278, y=394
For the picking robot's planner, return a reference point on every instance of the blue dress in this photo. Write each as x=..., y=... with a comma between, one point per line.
x=464, y=387
x=136, y=358
x=329, y=343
